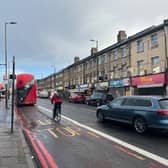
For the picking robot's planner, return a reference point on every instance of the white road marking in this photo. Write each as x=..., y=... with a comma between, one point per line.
x=150, y=155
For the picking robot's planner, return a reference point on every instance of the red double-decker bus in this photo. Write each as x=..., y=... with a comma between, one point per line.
x=26, y=89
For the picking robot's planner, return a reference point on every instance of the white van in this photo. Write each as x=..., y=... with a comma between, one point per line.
x=43, y=94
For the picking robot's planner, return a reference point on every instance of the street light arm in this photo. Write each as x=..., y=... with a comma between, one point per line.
x=10, y=22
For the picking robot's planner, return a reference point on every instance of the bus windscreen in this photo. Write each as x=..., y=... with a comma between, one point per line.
x=25, y=89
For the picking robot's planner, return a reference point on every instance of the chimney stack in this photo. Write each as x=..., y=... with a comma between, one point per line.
x=93, y=51
x=165, y=21
x=76, y=59
x=121, y=36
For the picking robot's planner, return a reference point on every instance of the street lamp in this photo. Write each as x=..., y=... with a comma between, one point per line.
x=6, y=66
x=96, y=43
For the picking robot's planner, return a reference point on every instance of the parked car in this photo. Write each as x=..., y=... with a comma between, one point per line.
x=142, y=112
x=77, y=98
x=99, y=99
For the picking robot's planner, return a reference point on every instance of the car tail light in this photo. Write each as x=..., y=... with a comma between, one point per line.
x=162, y=112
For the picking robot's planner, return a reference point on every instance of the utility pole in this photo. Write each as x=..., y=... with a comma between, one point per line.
x=6, y=65
x=13, y=77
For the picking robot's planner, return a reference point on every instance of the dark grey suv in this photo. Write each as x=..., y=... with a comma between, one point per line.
x=142, y=112
x=99, y=99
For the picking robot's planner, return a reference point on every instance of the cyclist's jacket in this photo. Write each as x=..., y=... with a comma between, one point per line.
x=56, y=99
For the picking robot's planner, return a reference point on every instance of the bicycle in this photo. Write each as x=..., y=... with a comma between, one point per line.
x=58, y=115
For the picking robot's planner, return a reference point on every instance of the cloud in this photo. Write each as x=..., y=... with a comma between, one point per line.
x=54, y=32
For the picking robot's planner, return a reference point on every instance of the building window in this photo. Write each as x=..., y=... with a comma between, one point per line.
x=140, y=46
x=140, y=66
x=102, y=59
x=155, y=64
x=111, y=56
x=124, y=70
x=116, y=72
x=90, y=64
x=124, y=52
x=154, y=40
x=99, y=60
x=115, y=54
x=87, y=65
x=105, y=58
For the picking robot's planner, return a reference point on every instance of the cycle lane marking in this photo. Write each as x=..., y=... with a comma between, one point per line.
x=143, y=152
x=44, y=156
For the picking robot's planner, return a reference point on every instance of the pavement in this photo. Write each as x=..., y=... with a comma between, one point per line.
x=14, y=150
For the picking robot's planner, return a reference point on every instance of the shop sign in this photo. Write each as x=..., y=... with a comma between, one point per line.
x=60, y=88
x=101, y=86
x=81, y=88
x=117, y=83
x=126, y=82
x=149, y=80
x=84, y=86
x=104, y=84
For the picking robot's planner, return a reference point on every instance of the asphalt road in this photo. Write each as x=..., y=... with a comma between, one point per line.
x=79, y=141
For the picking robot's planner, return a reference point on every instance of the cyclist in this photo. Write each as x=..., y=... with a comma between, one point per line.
x=57, y=106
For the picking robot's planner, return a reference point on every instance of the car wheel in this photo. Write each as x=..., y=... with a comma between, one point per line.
x=140, y=125
x=100, y=116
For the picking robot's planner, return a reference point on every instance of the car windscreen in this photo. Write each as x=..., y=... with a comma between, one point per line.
x=163, y=103
x=97, y=95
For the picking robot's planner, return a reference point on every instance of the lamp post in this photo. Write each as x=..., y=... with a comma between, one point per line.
x=54, y=75
x=96, y=43
x=6, y=66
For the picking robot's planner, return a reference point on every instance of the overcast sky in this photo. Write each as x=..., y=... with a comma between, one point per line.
x=51, y=33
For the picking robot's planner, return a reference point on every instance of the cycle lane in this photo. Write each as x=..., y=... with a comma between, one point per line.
x=67, y=144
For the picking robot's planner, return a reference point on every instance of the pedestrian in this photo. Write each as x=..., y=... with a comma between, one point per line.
x=57, y=104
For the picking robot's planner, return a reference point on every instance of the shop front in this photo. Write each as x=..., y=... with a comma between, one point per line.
x=150, y=84
x=101, y=87
x=83, y=88
x=120, y=87
x=79, y=88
